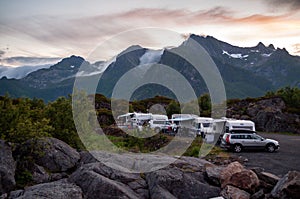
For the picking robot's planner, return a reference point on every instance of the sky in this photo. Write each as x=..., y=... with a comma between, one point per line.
x=36, y=32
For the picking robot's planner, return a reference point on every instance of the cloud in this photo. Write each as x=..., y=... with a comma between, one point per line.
x=296, y=48
x=290, y=4
x=81, y=35
x=2, y=53
x=25, y=65
x=19, y=72
x=31, y=61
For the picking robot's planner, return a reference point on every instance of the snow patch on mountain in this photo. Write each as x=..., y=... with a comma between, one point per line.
x=266, y=55
x=235, y=56
x=151, y=56
x=97, y=70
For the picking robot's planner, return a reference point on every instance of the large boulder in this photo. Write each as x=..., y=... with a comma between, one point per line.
x=179, y=182
x=213, y=173
x=53, y=190
x=268, y=178
x=234, y=193
x=100, y=181
x=288, y=186
x=246, y=180
x=7, y=168
x=228, y=171
x=50, y=153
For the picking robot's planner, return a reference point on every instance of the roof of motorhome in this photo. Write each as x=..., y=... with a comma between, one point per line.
x=239, y=121
x=180, y=119
x=208, y=119
x=159, y=117
x=184, y=116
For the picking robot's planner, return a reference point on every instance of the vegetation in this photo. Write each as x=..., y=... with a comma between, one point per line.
x=23, y=118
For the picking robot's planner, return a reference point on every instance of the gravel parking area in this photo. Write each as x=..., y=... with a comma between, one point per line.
x=280, y=162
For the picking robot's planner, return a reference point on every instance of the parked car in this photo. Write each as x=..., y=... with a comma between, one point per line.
x=161, y=125
x=240, y=139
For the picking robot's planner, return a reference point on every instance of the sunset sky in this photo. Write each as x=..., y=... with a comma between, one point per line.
x=32, y=31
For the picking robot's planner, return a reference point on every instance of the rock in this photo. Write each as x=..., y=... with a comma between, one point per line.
x=246, y=180
x=228, y=171
x=16, y=194
x=196, y=162
x=7, y=168
x=86, y=157
x=268, y=178
x=257, y=170
x=51, y=153
x=97, y=179
x=3, y=196
x=53, y=190
x=39, y=174
x=58, y=176
x=173, y=182
x=213, y=173
x=234, y=193
x=288, y=186
x=258, y=195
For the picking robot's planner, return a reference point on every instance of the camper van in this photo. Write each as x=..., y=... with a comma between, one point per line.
x=201, y=125
x=238, y=124
x=133, y=120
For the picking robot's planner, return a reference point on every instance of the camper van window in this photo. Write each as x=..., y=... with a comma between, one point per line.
x=206, y=124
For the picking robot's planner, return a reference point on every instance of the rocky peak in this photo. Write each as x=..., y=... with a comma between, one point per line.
x=271, y=46
x=68, y=63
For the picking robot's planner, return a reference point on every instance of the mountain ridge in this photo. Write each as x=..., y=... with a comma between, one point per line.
x=246, y=71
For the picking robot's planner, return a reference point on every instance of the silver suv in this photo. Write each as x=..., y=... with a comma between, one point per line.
x=240, y=139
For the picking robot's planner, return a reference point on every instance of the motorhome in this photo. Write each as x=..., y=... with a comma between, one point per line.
x=201, y=125
x=132, y=120
x=238, y=124
x=183, y=122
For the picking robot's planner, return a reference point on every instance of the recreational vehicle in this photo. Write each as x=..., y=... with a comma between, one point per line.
x=238, y=124
x=201, y=125
x=132, y=120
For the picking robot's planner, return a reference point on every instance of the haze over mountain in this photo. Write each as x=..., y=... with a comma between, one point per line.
x=246, y=72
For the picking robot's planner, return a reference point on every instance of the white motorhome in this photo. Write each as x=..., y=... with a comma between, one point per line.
x=201, y=125
x=180, y=119
x=130, y=120
x=238, y=124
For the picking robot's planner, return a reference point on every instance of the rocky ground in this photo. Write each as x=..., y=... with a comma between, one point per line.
x=58, y=171
x=269, y=114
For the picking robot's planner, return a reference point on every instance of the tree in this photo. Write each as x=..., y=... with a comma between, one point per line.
x=205, y=105
x=173, y=108
x=61, y=119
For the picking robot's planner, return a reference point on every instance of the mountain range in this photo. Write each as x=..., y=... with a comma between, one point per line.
x=246, y=71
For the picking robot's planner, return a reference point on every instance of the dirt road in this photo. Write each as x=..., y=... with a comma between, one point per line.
x=279, y=163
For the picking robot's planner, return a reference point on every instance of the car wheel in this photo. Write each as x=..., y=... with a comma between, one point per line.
x=271, y=148
x=237, y=148
x=157, y=130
